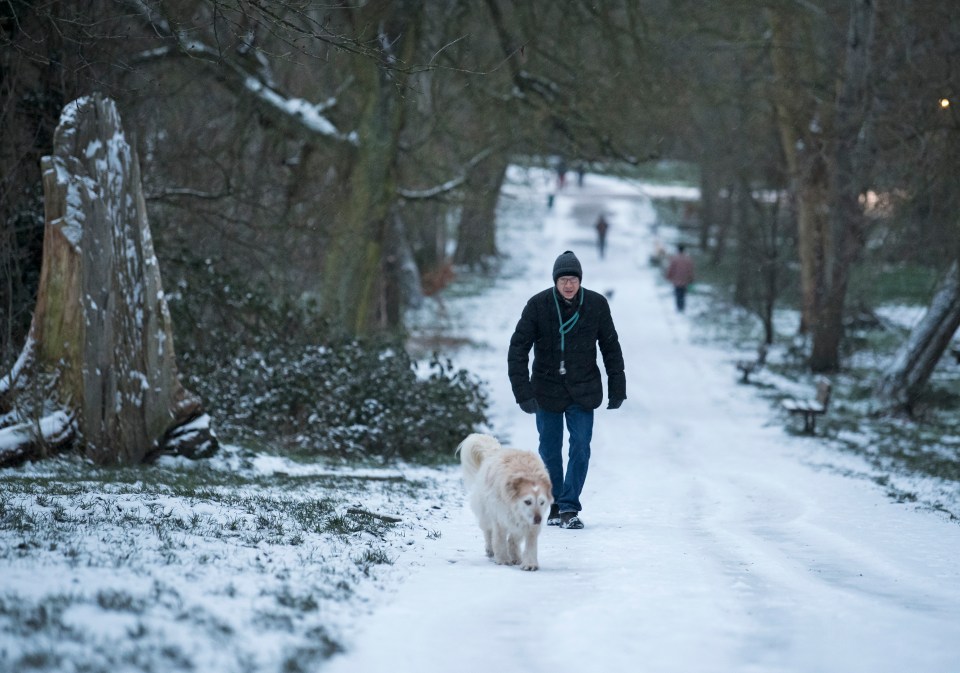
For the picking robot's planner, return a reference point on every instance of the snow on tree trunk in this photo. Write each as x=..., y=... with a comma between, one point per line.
x=101, y=333
x=901, y=383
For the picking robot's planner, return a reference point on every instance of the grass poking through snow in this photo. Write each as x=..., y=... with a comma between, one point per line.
x=239, y=563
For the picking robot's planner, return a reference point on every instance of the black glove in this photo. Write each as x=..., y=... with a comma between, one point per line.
x=615, y=403
x=530, y=406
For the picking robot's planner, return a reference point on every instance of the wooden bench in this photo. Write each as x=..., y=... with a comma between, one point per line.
x=811, y=408
x=747, y=367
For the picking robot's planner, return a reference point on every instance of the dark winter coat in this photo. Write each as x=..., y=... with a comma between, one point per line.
x=539, y=328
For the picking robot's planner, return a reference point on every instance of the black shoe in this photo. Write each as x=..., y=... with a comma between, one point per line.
x=553, y=519
x=570, y=520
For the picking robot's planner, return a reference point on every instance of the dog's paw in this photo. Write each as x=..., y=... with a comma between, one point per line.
x=529, y=566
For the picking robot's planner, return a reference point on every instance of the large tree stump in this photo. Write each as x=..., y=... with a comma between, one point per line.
x=101, y=342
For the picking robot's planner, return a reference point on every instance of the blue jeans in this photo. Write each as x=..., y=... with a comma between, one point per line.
x=566, y=487
x=680, y=294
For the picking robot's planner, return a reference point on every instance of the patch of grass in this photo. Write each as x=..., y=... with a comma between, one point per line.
x=666, y=171
x=299, y=602
x=312, y=515
x=911, y=448
x=341, y=524
x=119, y=601
x=875, y=284
x=25, y=619
x=308, y=659
x=372, y=557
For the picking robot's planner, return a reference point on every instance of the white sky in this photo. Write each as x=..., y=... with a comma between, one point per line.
x=714, y=539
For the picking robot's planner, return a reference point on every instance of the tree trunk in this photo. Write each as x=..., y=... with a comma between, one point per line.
x=802, y=146
x=708, y=204
x=723, y=224
x=770, y=268
x=354, y=291
x=101, y=339
x=745, y=275
x=846, y=217
x=823, y=147
x=476, y=237
x=901, y=383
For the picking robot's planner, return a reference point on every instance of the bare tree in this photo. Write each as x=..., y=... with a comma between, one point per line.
x=826, y=140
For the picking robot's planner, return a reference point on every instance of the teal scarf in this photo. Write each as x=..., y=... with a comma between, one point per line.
x=565, y=327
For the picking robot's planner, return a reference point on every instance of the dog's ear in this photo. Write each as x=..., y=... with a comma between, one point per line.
x=515, y=486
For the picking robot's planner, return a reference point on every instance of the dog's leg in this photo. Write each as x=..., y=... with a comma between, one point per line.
x=488, y=541
x=529, y=561
x=501, y=551
x=513, y=549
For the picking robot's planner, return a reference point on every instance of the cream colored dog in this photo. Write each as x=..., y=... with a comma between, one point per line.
x=510, y=494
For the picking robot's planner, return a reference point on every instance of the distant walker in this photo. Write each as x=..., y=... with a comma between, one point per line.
x=680, y=274
x=602, y=226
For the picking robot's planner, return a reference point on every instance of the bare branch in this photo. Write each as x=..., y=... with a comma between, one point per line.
x=294, y=112
x=446, y=187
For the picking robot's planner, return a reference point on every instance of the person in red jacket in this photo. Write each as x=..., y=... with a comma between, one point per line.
x=680, y=273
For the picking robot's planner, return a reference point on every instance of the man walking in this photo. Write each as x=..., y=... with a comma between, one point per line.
x=565, y=324
x=680, y=273
x=602, y=226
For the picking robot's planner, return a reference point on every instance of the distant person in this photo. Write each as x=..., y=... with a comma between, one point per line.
x=602, y=227
x=580, y=173
x=564, y=325
x=680, y=273
x=561, y=174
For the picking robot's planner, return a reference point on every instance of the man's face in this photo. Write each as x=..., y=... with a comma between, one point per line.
x=568, y=286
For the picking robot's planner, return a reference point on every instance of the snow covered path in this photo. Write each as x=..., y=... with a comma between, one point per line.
x=710, y=544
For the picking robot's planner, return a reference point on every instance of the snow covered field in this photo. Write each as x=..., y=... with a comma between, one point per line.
x=715, y=540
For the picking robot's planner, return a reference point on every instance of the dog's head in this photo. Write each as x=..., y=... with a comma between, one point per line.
x=531, y=499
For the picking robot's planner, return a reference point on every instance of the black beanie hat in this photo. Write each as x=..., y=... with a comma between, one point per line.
x=567, y=264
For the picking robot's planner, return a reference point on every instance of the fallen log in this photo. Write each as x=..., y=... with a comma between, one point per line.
x=32, y=440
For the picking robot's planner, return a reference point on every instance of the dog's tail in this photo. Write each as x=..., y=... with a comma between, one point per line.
x=472, y=451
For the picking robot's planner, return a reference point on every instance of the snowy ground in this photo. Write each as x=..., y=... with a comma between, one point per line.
x=714, y=540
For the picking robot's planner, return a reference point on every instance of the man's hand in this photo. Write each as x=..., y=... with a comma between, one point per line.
x=530, y=406
x=615, y=403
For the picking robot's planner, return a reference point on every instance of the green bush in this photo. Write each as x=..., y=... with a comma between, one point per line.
x=352, y=399
x=271, y=373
